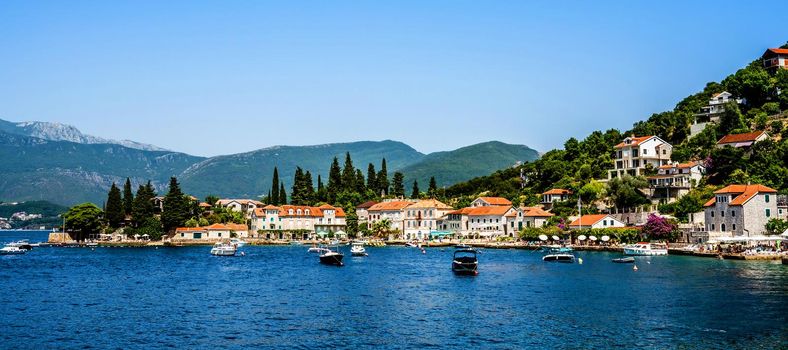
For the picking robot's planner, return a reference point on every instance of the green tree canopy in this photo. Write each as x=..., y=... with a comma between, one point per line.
x=177, y=208
x=83, y=220
x=114, y=207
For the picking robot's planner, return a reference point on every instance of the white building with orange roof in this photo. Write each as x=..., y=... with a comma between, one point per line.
x=213, y=232
x=740, y=210
x=491, y=221
x=711, y=112
x=595, y=221
x=422, y=217
x=282, y=222
x=533, y=217
x=674, y=180
x=246, y=206
x=393, y=211
x=490, y=201
x=775, y=58
x=634, y=154
x=555, y=195
x=743, y=140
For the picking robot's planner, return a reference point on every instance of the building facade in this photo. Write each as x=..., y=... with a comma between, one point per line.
x=595, y=221
x=774, y=59
x=740, y=210
x=635, y=154
x=421, y=218
x=674, y=180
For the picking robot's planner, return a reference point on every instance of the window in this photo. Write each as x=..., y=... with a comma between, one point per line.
x=712, y=227
x=712, y=213
x=733, y=213
x=290, y=211
x=219, y=234
x=734, y=227
x=767, y=198
x=768, y=212
x=645, y=152
x=634, y=153
x=664, y=151
x=722, y=227
x=619, y=155
x=722, y=213
x=307, y=212
x=183, y=234
x=299, y=212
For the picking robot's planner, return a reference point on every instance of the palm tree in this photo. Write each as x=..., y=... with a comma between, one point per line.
x=381, y=228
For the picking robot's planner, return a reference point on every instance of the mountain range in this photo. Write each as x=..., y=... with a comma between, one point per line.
x=57, y=162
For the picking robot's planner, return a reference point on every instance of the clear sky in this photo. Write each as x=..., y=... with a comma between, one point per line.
x=219, y=77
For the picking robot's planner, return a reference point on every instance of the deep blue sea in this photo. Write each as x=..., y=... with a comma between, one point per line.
x=281, y=297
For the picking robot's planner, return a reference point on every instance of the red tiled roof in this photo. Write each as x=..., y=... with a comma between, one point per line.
x=588, y=220
x=366, y=205
x=745, y=137
x=388, y=206
x=430, y=203
x=496, y=200
x=284, y=211
x=635, y=141
x=777, y=51
x=679, y=166
x=535, y=211
x=271, y=207
x=216, y=226
x=493, y=210
x=205, y=205
x=743, y=193
x=558, y=191
x=462, y=211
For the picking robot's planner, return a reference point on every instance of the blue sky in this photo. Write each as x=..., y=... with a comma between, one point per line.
x=220, y=77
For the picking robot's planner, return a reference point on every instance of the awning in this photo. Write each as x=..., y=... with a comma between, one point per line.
x=440, y=233
x=750, y=239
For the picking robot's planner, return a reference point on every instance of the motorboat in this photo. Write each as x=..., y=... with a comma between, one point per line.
x=624, y=260
x=357, y=249
x=645, y=248
x=559, y=257
x=316, y=249
x=465, y=262
x=291, y=243
x=411, y=245
x=462, y=246
x=21, y=244
x=224, y=249
x=331, y=257
x=9, y=250
x=238, y=243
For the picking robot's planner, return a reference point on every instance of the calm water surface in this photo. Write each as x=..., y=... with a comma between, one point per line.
x=395, y=298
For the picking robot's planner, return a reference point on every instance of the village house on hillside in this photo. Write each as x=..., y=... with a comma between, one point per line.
x=740, y=210
x=674, y=180
x=710, y=114
x=743, y=140
x=634, y=154
x=774, y=59
x=533, y=217
x=554, y=195
x=421, y=218
x=246, y=206
x=490, y=201
x=595, y=221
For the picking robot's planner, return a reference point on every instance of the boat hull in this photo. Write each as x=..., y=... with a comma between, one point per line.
x=624, y=260
x=223, y=252
x=561, y=258
x=465, y=268
x=332, y=259
x=645, y=252
x=12, y=251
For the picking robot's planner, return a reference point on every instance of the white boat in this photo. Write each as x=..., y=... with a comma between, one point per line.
x=238, y=243
x=411, y=245
x=357, y=249
x=645, y=248
x=317, y=250
x=295, y=243
x=9, y=250
x=21, y=244
x=224, y=249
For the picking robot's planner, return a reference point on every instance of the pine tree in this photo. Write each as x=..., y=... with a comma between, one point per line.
x=309, y=189
x=114, y=207
x=297, y=194
x=397, y=186
x=361, y=188
x=128, y=198
x=348, y=175
x=275, y=188
x=321, y=191
x=433, y=189
x=334, y=181
x=382, y=179
x=176, y=207
x=282, y=194
x=416, y=193
x=372, y=182
x=142, y=207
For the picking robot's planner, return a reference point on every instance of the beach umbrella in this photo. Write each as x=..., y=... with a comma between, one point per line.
x=784, y=234
x=581, y=238
x=542, y=237
x=605, y=238
x=593, y=238
x=555, y=238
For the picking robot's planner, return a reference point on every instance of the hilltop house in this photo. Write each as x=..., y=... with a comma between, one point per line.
x=421, y=218
x=775, y=58
x=712, y=111
x=674, y=180
x=595, y=221
x=490, y=201
x=635, y=154
x=740, y=210
x=744, y=140
x=276, y=222
x=555, y=195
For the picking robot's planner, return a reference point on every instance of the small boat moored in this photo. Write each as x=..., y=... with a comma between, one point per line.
x=21, y=244
x=465, y=262
x=559, y=257
x=357, y=249
x=9, y=250
x=646, y=249
x=331, y=257
x=224, y=249
x=237, y=242
x=624, y=260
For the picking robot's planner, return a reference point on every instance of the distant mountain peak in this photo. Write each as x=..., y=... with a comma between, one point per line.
x=63, y=132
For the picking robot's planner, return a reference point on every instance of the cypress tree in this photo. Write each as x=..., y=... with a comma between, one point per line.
x=309, y=188
x=282, y=194
x=416, y=193
x=114, y=207
x=128, y=198
x=275, y=188
x=334, y=181
x=383, y=179
x=372, y=183
x=296, y=196
x=176, y=207
x=348, y=175
x=321, y=191
x=397, y=186
x=433, y=189
x=142, y=207
x=361, y=188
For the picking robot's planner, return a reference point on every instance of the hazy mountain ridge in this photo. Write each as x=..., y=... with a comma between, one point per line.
x=64, y=132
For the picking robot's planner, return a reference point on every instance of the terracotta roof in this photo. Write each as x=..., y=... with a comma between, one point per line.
x=366, y=205
x=743, y=193
x=535, y=211
x=217, y=226
x=679, y=166
x=269, y=207
x=495, y=200
x=635, y=141
x=777, y=51
x=462, y=211
x=205, y=205
x=284, y=211
x=493, y=210
x=511, y=215
x=430, y=203
x=259, y=212
x=588, y=220
x=736, y=138
x=558, y=191
x=340, y=212
x=181, y=229
x=388, y=206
